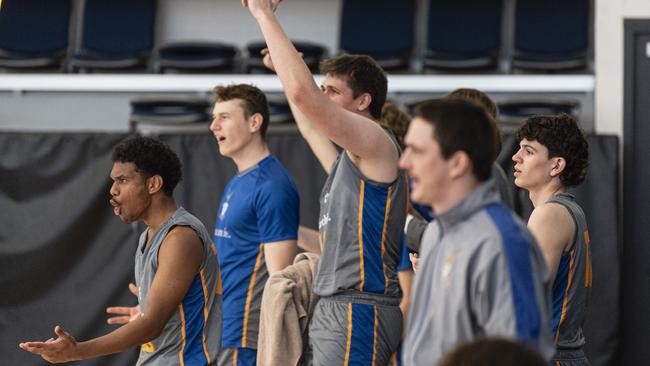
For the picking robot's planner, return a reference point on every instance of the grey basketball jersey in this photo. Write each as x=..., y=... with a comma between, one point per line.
x=572, y=281
x=192, y=335
x=360, y=228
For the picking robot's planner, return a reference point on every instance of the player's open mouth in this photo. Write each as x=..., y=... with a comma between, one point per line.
x=116, y=207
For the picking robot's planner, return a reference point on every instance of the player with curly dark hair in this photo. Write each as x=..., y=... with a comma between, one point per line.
x=553, y=156
x=151, y=157
x=178, y=316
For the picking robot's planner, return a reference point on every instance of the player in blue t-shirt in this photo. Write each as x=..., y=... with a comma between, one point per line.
x=257, y=222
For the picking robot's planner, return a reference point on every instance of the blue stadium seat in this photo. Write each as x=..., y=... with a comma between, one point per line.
x=33, y=33
x=514, y=111
x=381, y=29
x=116, y=34
x=195, y=57
x=551, y=35
x=170, y=113
x=463, y=34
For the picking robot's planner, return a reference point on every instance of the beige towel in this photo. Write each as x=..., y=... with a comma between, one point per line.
x=287, y=305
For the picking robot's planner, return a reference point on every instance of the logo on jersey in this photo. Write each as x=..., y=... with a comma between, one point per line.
x=324, y=221
x=447, y=266
x=224, y=207
x=222, y=233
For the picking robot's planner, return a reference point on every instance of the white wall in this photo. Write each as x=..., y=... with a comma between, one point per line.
x=609, y=59
x=228, y=21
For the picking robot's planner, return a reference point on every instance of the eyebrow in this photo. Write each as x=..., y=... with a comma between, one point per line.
x=529, y=146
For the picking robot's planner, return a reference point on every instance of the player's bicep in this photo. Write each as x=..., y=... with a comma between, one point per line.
x=279, y=254
x=179, y=260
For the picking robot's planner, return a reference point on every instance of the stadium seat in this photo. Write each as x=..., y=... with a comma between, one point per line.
x=551, y=35
x=514, y=111
x=463, y=34
x=195, y=57
x=382, y=29
x=116, y=34
x=156, y=113
x=33, y=33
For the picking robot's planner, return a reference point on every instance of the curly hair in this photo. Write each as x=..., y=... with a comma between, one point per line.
x=396, y=121
x=363, y=75
x=253, y=101
x=563, y=138
x=151, y=157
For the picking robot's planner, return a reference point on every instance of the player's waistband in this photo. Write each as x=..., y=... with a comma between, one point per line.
x=569, y=354
x=358, y=297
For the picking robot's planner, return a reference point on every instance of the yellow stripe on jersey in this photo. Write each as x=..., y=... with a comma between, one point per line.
x=249, y=296
x=361, y=271
x=566, y=298
x=183, y=335
x=588, y=260
x=383, y=237
x=349, y=341
x=205, y=315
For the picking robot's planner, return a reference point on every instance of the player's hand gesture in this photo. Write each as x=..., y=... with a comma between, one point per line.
x=62, y=349
x=125, y=313
x=261, y=7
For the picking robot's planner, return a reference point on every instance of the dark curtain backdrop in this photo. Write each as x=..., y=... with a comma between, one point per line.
x=64, y=256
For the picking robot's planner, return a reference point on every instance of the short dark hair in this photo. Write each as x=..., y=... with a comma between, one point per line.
x=151, y=157
x=395, y=120
x=563, y=138
x=459, y=125
x=482, y=100
x=253, y=101
x=492, y=352
x=475, y=96
x=363, y=75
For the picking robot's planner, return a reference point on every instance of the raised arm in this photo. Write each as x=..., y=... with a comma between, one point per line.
x=179, y=260
x=362, y=137
x=320, y=145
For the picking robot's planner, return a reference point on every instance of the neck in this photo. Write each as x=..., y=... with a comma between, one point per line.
x=539, y=196
x=455, y=194
x=250, y=155
x=160, y=210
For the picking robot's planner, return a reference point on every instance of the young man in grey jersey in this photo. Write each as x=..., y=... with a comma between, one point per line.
x=178, y=319
x=553, y=156
x=481, y=273
x=363, y=203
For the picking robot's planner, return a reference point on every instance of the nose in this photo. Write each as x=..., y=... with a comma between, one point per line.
x=517, y=156
x=113, y=191
x=214, y=126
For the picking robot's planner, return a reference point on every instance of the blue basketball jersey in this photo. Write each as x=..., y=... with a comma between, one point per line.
x=260, y=205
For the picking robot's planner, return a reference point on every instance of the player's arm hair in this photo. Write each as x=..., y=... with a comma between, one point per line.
x=279, y=254
x=179, y=260
x=308, y=240
x=359, y=135
x=554, y=230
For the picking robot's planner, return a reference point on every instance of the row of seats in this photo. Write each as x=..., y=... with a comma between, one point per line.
x=173, y=113
x=460, y=35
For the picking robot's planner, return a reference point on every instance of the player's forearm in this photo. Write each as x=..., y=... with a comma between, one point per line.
x=296, y=79
x=130, y=335
x=308, y=240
